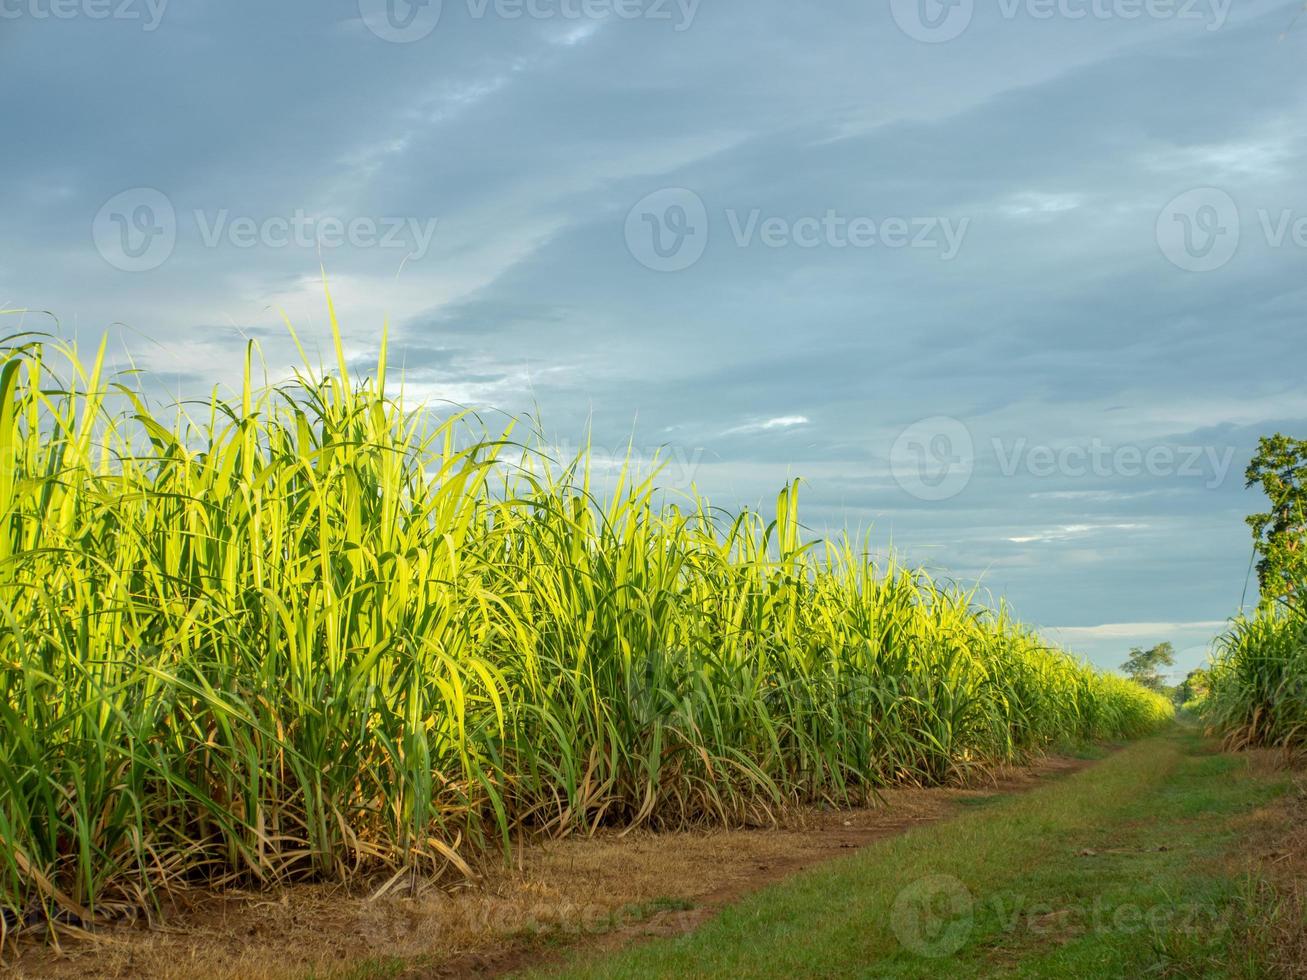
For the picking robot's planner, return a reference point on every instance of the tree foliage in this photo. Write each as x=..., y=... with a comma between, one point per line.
x=1280, y=469
x=1143, y=666
x=1195, y=686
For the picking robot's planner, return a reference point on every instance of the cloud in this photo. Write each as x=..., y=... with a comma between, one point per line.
x=767, y=425
x=1119, y=631
x=1068, y=531
x=1034, y=204
x=1059, y=322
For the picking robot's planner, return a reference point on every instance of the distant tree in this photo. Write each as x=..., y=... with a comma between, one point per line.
x=1194, y=687
x=1280, y=534
x=1143, y=665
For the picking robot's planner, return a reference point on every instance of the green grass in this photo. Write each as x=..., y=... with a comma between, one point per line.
x=313, y=632
x=1110, y=872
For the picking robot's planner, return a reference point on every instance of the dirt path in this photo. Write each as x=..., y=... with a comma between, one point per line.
x=719, y=869
x=601, y=893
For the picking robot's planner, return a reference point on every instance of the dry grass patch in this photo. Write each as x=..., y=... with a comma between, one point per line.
x=1275, y=859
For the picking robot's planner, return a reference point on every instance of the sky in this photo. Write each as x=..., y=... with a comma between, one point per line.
x=1014, y=286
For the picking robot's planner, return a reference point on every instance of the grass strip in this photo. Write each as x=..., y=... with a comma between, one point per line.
x=1113, y=871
